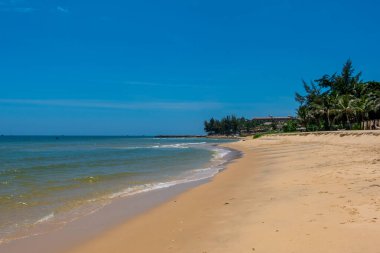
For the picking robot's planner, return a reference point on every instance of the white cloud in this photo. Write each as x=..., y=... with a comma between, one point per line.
x=24, y=9
x=61, y=9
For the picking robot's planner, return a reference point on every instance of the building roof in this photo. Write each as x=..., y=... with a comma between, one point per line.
x=274, y=118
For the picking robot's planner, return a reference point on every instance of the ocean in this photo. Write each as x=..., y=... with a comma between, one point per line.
x=46, y=181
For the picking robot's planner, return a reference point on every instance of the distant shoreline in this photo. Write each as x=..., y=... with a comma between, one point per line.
x=197, y=136
x=179, y=136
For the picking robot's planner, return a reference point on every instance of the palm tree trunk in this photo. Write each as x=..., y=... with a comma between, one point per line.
x=328, y=119
x=348, y=121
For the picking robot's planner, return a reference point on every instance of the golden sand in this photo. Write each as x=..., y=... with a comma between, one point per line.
x=294, y=193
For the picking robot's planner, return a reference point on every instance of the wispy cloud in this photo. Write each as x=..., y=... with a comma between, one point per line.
x=17, y=1
x=116, y=105
x=24, y=9
x=62, y=10
x=23, y=6
x=170, y=85
x=18, y=9
x=19, y=6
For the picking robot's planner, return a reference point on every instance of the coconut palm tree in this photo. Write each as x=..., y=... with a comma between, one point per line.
x=340, y=99
x=362, y=107
x=345, y=108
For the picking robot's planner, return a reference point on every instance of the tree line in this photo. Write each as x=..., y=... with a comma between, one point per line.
x=228, y=125
x=338, y=101
x=232, y=125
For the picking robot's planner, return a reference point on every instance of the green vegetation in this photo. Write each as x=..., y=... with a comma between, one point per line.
x=232, y=125
x=332, y=102
x=229, y=125
x=256, y=136
x=290, y=126
x=338, y=101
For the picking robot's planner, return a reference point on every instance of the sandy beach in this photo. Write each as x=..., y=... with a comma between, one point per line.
x=288, y=193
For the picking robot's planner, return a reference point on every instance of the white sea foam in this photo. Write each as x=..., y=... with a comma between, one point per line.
x=216, y=164
x=220, y=153
x=143, y=188
x=217, y=161
x=179, y=145
x=175, y=145
x=45, y=218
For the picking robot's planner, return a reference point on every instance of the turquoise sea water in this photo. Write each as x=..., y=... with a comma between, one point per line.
x=46, y=182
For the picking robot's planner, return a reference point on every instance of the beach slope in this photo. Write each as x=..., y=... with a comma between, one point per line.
x=288, y=193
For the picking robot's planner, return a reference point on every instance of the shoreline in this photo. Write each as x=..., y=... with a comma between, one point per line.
x=120, y=210
x=287, y=193
x=94, y=224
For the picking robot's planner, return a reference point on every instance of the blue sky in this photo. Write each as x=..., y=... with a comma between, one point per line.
x=155, y=67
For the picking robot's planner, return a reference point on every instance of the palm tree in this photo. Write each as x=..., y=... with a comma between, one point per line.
x=363, y=106
x=345, y=108
x=375, y=97
x=339, y=99
x=324, y=108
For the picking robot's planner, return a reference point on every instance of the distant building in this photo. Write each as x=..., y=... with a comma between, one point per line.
x=264, y=124
x=272, y=119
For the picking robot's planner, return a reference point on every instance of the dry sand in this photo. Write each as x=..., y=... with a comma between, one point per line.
x=295, y=193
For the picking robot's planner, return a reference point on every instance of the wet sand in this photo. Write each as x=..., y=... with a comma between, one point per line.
x=87, y=227
x=288, y=193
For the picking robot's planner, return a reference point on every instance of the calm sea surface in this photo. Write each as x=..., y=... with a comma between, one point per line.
x=46, y=182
